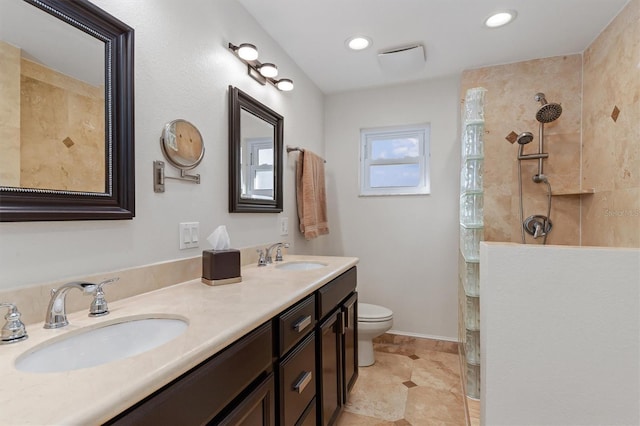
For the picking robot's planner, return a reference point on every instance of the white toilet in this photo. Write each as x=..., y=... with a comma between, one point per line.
x=373, y=320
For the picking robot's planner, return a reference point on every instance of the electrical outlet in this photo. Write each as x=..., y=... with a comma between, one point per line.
x=284, y=226
x=189, y=235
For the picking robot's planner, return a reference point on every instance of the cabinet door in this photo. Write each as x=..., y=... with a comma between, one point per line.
x=350, y=344
x=330, y=365
x=257, y=409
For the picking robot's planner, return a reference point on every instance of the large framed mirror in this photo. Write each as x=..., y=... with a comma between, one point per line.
x=66, y=112
x=255, y=155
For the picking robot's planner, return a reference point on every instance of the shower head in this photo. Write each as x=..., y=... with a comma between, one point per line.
x=548, y=112
x=524, y=138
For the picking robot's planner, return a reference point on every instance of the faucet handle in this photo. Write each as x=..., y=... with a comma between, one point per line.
x=262, y=261
x=99, y=305
x=279, y=252
x=14, y=330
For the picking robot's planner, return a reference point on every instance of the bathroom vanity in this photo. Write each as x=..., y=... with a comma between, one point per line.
x=278, y=348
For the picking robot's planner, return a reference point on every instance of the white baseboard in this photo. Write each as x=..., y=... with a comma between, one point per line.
x=423, y=336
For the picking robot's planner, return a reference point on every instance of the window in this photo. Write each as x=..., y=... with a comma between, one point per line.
x=259, y=173
x=394, y=160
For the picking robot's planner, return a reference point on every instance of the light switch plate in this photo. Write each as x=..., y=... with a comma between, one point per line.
x=189, y=235
x=284, y=226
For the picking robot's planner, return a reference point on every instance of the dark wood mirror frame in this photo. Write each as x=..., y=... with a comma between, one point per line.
x=118, y=201
x=238, y=101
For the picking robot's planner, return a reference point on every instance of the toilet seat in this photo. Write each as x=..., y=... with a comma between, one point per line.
x=373, y=313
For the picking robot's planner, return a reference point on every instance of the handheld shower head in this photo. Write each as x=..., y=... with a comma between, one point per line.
x=548, y=112
x=524, y=138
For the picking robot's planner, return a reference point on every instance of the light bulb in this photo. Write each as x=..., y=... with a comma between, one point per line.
x=358, y=42
x=285, y=84
x=268, y=70
x=248, y=52
x=499, y=19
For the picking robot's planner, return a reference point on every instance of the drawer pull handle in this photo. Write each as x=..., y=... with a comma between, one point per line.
x=303, y=381
x=302, y=324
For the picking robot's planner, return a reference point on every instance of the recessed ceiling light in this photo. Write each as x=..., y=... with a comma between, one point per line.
x=500, y=18
x=358, y=42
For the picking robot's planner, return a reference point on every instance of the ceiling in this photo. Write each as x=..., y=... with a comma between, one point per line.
x=313, y=34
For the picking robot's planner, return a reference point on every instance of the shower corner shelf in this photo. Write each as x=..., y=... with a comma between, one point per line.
x=473, y=157
x=472, y=225
x=473, y=121
x=569, y=192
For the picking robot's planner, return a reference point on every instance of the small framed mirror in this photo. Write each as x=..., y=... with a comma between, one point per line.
x=255, y=155
x=182, y=144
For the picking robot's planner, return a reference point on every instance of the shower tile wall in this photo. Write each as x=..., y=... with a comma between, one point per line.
x=610, y=157
x=510, y=107
x=611, y=148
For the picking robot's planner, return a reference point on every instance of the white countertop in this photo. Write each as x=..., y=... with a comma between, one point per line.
x=217, y=317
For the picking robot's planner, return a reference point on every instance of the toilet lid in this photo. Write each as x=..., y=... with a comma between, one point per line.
x=373, y=313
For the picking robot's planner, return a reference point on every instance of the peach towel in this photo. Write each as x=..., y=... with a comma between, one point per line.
x=311, y=195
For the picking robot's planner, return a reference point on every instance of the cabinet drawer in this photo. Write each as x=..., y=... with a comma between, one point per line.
x=335, y=292
x=297, y=381
x=197, y=396
x=295, y=323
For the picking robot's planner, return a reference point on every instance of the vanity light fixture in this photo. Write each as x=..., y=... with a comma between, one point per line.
x=500, y=19
x=263, y=73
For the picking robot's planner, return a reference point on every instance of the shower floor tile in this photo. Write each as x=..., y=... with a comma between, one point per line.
x=414, y=382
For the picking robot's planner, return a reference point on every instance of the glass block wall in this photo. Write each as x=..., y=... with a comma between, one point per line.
x=471, y=233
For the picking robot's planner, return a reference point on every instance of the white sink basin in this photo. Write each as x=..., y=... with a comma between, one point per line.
x=301, y=266
x=96, y=346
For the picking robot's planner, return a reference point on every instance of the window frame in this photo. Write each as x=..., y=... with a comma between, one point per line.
x=368, y=136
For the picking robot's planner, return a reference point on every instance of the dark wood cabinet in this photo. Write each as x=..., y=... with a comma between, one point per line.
x=256, y=409
x=207, y=390
x=337, y=345
x=350, y=345
x=295, y=370
x=329, y=361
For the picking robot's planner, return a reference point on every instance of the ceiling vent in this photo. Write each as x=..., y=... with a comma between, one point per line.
x=403, y=60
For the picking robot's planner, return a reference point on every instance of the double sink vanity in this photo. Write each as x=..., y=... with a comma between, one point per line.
x=278, y=348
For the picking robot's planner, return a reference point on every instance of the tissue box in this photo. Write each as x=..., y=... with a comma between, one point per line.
x=221, y=267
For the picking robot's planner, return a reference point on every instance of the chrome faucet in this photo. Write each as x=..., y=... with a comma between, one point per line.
x=278, y=252
x=56, y=315
x=14, y=330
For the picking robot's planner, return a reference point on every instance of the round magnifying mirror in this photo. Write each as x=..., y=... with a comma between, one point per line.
x=182, y=144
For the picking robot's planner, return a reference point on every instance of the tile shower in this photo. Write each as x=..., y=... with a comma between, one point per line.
x=594, y=160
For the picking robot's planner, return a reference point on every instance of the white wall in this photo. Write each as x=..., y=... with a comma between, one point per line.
x=182, y=70
x=560, y=335
x=407, y=245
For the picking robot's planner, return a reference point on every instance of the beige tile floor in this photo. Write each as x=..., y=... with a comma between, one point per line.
x=413, y=382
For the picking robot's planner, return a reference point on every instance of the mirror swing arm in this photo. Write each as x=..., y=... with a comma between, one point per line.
x=159, y=176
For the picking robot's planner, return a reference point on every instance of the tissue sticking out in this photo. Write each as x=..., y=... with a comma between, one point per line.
x=219, y=238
